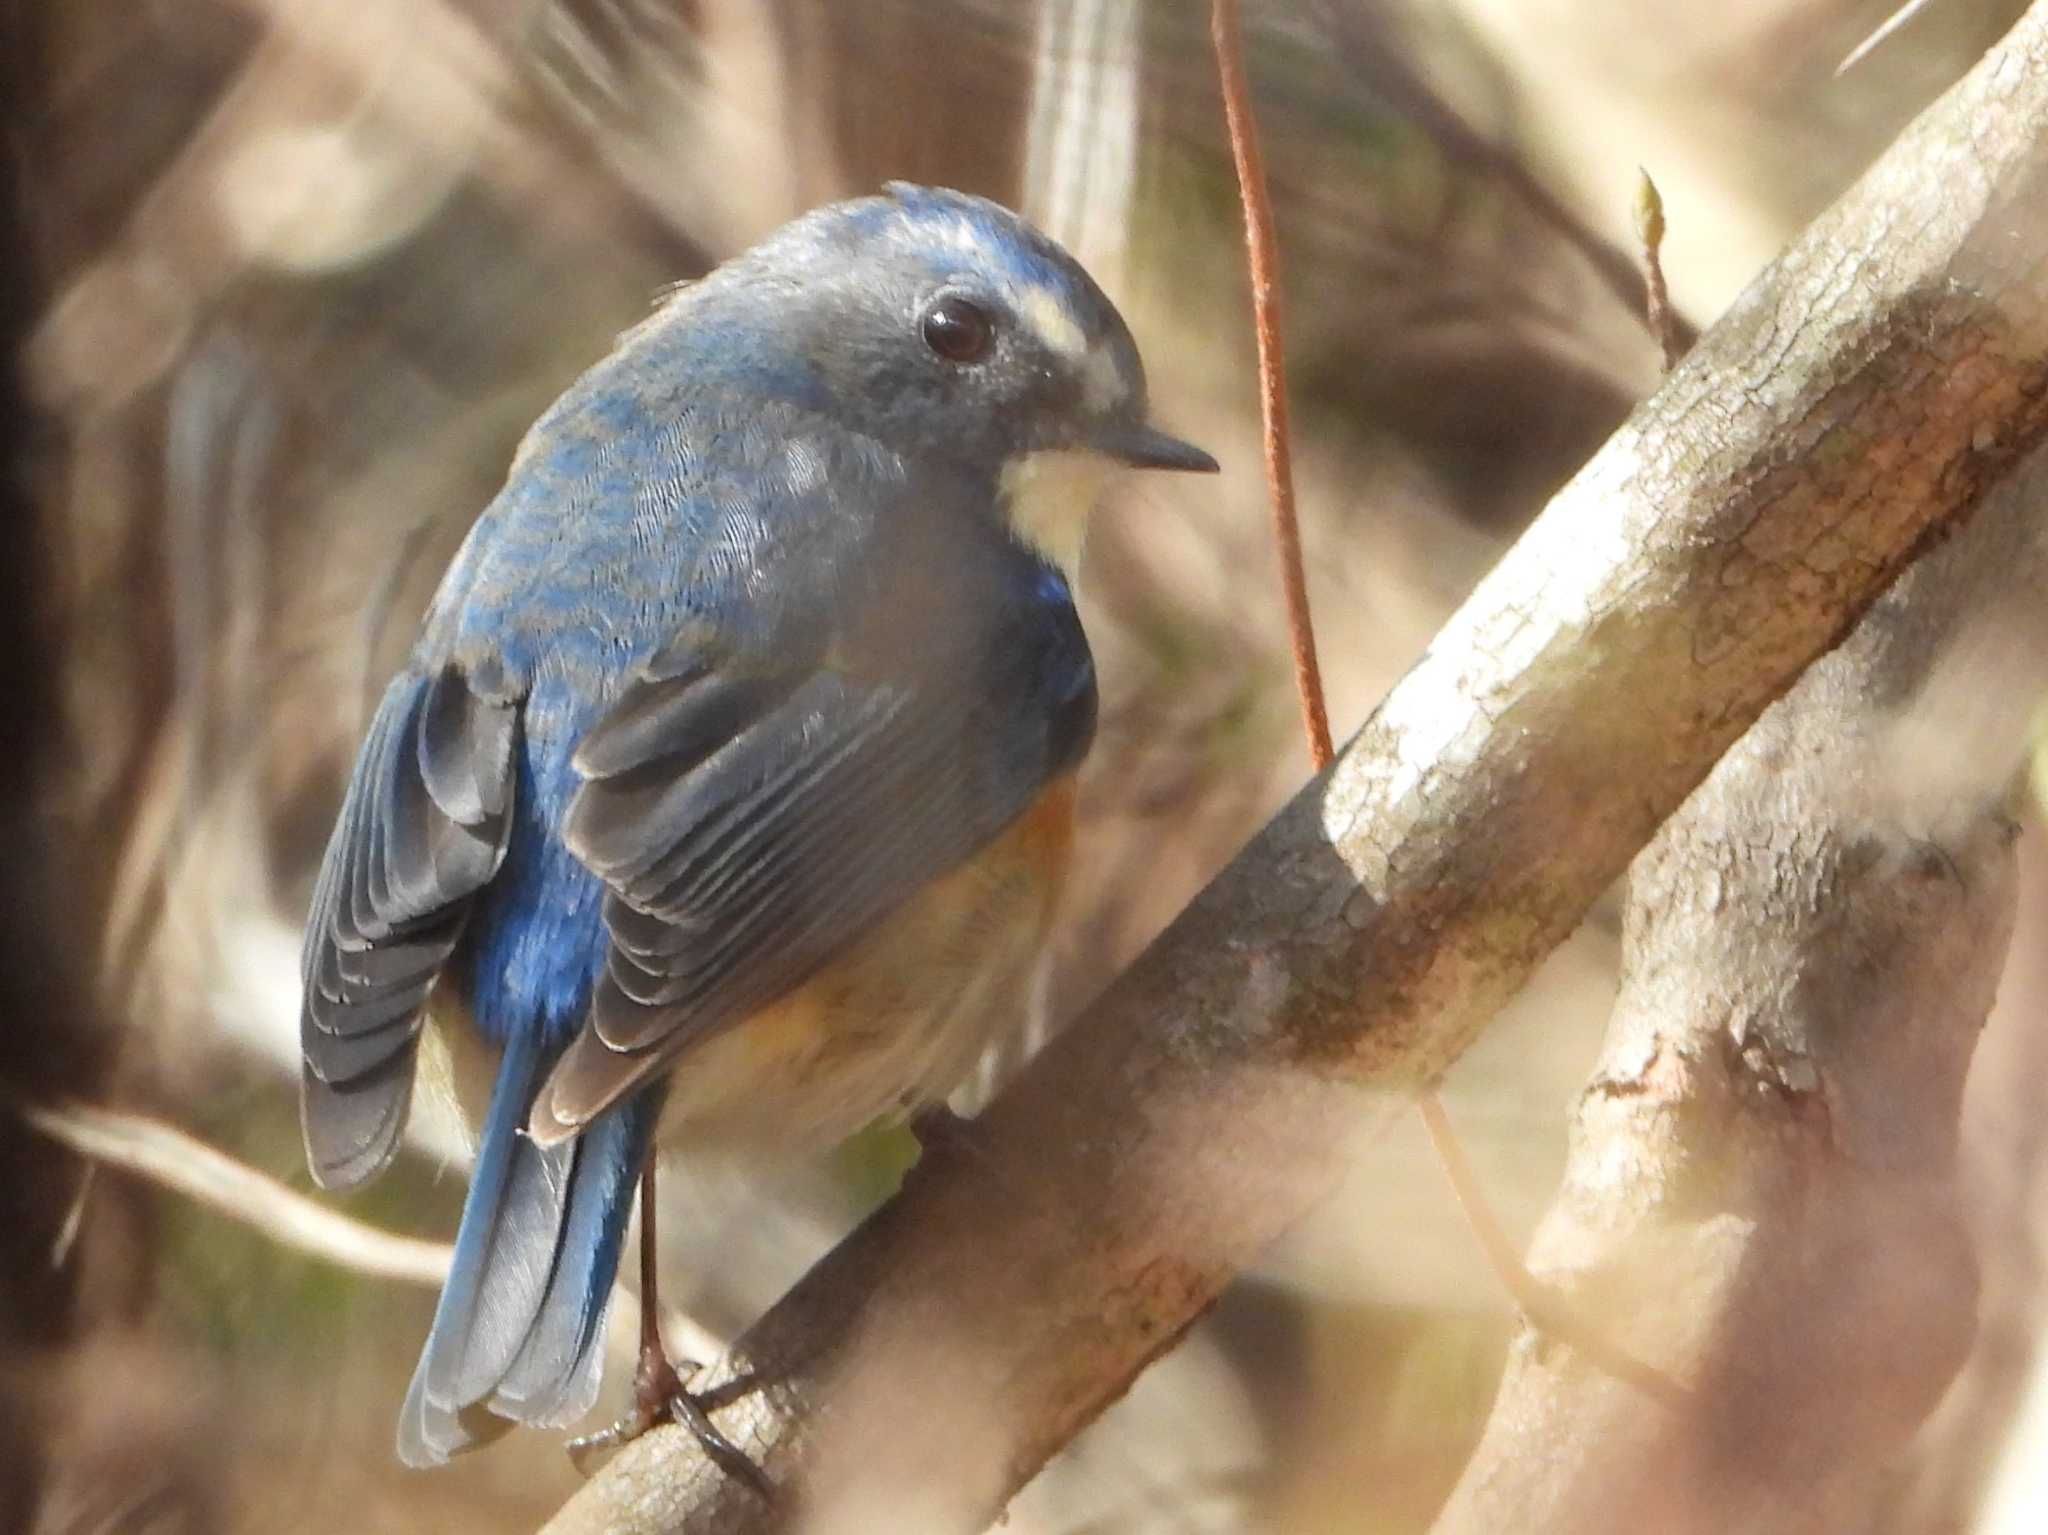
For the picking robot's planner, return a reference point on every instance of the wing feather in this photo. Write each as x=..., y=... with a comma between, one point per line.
x=752, y=815
x=422, y=829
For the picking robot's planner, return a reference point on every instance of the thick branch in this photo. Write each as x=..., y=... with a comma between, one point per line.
x=1761, y=1184
x=1850, y=408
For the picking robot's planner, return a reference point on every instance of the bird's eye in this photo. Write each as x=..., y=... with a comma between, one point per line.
x=957, y=329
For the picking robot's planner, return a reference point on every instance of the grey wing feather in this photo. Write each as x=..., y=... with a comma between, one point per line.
x=742, y=854
x=830, y=809
x=422, y=829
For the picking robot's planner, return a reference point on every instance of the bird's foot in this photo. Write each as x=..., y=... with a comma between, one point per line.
x=940, y=1132
x=659, y=1396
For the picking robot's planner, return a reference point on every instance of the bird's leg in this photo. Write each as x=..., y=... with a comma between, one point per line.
x=659, y=1394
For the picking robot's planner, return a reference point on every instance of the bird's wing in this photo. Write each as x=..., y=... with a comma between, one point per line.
x=751, y=817
x=422, y=829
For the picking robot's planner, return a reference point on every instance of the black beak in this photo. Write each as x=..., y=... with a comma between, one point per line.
x=1146, y=447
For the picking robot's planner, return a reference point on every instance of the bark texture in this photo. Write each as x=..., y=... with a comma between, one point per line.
x=1760, y=1195
x=1852, y=407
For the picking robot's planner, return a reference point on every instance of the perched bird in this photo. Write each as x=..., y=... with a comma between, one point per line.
x=725, y=795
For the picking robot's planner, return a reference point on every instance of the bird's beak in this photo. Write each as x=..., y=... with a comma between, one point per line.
x=1146, y=447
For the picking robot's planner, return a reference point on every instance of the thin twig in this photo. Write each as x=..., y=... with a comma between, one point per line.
x=1538, y=1303
x=168, y=1156
x=74, y=1217
x=172, y=1159
x=1872, y=43
x=1262, y=247
x=1373, y=53
x=1656, y=296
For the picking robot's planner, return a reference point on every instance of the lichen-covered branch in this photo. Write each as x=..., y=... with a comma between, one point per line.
x=1849, y=410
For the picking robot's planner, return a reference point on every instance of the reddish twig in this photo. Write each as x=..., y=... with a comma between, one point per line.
x=1262, y=249
x=1543, y=1308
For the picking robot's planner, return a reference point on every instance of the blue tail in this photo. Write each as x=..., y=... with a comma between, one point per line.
x=519, y=1334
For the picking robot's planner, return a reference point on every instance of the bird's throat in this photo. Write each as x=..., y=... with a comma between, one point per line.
x=1049, y=497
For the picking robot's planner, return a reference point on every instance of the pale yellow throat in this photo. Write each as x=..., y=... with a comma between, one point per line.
x=1051, y=495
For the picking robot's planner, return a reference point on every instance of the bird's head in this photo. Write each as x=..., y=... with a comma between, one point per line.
x=950, y=330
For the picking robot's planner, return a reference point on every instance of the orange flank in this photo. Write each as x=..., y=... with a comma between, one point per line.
x=1043, y=837
x=914, y=1001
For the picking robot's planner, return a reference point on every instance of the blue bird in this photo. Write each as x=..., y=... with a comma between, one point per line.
x=728, y=788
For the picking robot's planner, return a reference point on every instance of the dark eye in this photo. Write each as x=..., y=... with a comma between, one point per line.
x=957, y=329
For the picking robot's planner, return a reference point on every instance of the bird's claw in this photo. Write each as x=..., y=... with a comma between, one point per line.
x=659, y=1396
x=728, y=1457
x=624, y=1431
x=940, y=1132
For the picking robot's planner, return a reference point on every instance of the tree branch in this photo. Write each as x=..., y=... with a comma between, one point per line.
x=1761, y=1182
x=1850, y=408
x=1263, y=252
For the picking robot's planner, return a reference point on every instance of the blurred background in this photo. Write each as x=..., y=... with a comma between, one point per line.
x=289, y=279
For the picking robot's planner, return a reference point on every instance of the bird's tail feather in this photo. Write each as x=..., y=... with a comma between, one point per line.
x=519, y=1334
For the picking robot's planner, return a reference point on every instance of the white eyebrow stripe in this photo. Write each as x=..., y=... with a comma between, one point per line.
x=1041, y=310
x=1102, y=390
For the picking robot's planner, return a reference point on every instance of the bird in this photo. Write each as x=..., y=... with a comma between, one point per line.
x=725, y=796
